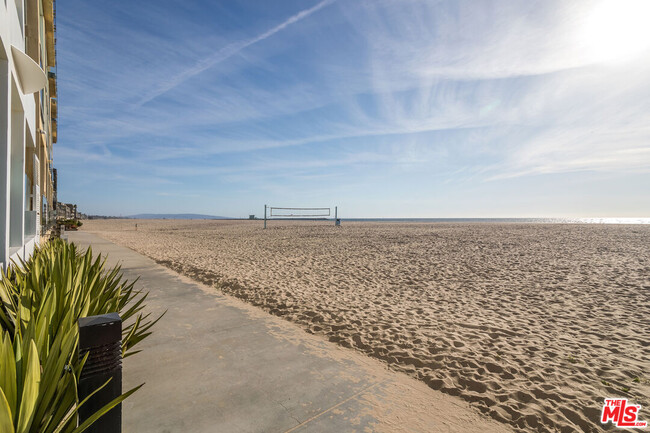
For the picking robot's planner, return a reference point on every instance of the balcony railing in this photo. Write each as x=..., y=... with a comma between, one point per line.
x=30, y=223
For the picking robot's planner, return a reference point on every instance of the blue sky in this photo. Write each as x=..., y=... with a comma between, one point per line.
x=386, y=108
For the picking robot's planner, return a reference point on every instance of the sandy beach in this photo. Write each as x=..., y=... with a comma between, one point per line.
x=534, y=324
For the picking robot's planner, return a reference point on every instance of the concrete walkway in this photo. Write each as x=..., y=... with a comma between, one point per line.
x=216, y=364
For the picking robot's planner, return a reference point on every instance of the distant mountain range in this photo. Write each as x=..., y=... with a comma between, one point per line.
x=176, y=216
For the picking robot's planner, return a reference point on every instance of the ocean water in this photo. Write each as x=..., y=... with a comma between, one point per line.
x=510, y=220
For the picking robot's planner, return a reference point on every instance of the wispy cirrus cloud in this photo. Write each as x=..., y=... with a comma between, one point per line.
x=228, y=51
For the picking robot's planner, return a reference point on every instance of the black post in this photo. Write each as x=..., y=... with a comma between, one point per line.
x=102, y=337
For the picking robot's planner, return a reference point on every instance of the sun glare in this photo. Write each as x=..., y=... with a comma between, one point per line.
x=617, y=30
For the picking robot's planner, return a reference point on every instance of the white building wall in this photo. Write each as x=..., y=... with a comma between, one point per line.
x=5, y=156
x=15, y=23
x=16, y=172
x=17, y=131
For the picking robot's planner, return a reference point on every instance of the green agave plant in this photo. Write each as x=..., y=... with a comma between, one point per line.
x=40, y=303
x=70, y=285
x=40, y=395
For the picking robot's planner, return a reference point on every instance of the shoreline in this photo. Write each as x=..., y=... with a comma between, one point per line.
x=632, y=221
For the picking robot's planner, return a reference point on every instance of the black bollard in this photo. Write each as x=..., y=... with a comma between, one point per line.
x=101, y=336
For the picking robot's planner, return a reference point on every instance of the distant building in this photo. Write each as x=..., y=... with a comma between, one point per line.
x=28, y=124
x=66, y=211
x=251, y=217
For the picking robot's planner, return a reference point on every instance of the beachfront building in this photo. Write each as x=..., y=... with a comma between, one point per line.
x=28, y=124
x=66, y=211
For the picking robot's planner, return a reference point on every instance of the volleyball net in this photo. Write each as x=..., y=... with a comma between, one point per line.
x=300, y=213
